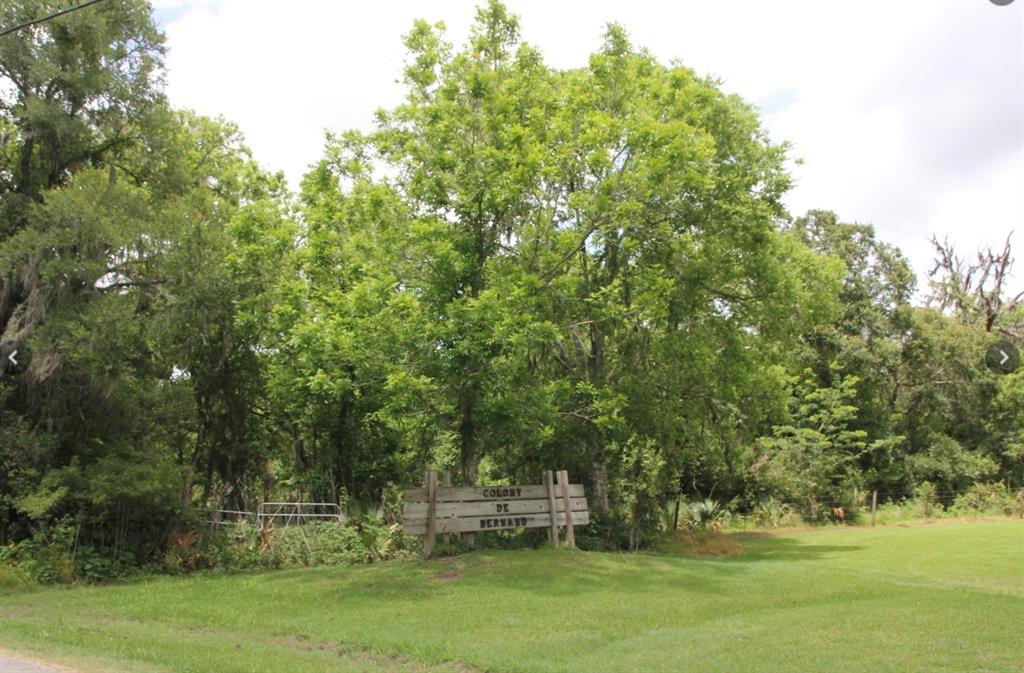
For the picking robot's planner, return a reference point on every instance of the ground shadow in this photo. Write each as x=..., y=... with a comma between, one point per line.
x=771, y=547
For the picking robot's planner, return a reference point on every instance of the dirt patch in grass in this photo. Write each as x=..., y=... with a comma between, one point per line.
x=14, y=613
x=386, y=662
x=447, y=576
x=451, y=569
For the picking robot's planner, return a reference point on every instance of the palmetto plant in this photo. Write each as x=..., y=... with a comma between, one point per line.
x=704, y=514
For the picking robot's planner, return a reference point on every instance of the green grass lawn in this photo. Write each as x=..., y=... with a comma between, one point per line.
x=920, y=598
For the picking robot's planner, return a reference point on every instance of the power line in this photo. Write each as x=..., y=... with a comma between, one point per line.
x=47, y=18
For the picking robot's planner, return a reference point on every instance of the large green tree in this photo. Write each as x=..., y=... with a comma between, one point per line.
x=593, y=259
x=77, y=93
x=134, y=241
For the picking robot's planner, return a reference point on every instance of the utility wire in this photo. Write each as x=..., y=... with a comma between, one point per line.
x=44, y=19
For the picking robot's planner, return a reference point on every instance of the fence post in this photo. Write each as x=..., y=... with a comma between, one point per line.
x=428, y=544
x=215, y=521
x=563, y=481
x=549, y=482
x=874, y=506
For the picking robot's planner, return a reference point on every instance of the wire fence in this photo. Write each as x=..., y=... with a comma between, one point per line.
x=278, y=514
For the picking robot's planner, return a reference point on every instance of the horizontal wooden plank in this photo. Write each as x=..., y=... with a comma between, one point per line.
x=476, y=524
x=466, y=493
x=418, y=510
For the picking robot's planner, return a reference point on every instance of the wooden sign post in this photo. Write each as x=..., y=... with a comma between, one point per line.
x=447, y=483
x=563, y=485
x=432, y=510
x=553, y=531
x=428, y=546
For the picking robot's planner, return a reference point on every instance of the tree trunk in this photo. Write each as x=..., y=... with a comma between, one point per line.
x=208, y=481
x=598, y=474
x=190, y=469
x=467, y=442
x=467, y=435
x=595, y=448
x=202, y=431
x=26, y=184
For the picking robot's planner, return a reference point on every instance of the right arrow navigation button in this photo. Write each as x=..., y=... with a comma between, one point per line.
x=1002, y=357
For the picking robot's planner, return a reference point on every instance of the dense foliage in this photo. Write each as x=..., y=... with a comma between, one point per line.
x=518, y=269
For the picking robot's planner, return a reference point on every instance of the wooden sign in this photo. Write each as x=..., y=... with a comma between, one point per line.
x=471, y=509
x=470, y=493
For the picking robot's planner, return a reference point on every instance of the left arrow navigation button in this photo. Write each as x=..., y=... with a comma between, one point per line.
x=13, y=356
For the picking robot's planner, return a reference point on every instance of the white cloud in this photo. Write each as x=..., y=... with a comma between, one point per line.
x=908, y=115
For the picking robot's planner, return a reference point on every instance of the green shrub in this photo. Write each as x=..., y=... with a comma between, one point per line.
x=91, y=565
x=184, y=553
x=51, y=566
x=926, y=500
x=773, y=513
x=991, y=499
x=392, y=501
x=51, y=557
x=384, y=540
x=607, y=532
x=316, y=543
x=245, y=547
x=13, y=578
x=44, y=562
x=949, y=465
x=894, y=512
x=232, y=549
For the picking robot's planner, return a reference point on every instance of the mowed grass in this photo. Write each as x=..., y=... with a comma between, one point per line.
x=920, y=598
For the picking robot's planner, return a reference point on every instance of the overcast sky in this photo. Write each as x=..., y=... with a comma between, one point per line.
x=907, y=114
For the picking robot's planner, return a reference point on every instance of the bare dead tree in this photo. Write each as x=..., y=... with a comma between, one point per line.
x=975, y=291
